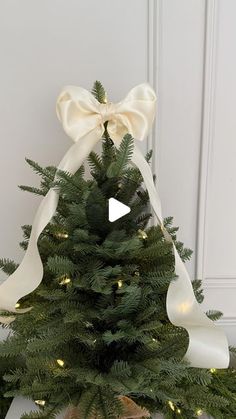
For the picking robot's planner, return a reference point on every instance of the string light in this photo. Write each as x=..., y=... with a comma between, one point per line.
x=199, y=412
x=62, y=235
x=17, y=305
x=184, y=307
x=95, y=340
x=154, y=340
x=40, y=402
x=178, y=410
x=171, y=404
x=120, y=283
x=65, y=281
x=142, y=234
x=136, y=273
x=60, y=362
x=213, y=370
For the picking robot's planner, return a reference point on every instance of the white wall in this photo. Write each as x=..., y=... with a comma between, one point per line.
x=217, y=204
x=194, y=68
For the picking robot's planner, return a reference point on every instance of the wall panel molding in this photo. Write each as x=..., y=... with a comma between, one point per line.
x=208, y=123
x=227, y=321
x=219, y=282
x=219, y=287
x=154, y=72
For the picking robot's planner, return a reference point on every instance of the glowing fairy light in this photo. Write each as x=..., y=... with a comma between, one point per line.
x=62, y=235
x=171, y=404
x=65, y=281
x=60, y=362
x=184, y=307
x=142, y=234
x=40, y=402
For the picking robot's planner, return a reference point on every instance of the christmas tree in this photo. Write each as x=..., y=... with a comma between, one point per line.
x=98, y=335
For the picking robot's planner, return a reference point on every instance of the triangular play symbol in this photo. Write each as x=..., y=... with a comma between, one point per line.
x=117, y=209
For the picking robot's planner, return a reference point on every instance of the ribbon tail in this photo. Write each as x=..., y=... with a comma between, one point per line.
x=29, y=273
x=208, y=345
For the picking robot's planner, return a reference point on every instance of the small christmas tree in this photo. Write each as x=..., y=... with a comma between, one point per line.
x=98, y=331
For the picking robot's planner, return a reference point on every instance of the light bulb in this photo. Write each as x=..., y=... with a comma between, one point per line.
x=171, y=404
x=213, y=370
x=154, y=340
x=179, y=411
x=120, y=283
x=142, y=234
x=184, y=307
x=17, y=305
x=65, y=281
x=60, y=362
x=40, y=402
x=62, y=235
x=199, y=412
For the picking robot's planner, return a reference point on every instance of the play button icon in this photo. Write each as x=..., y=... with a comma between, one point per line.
x=116, y=209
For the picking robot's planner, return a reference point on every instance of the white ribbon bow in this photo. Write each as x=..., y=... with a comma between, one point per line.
x=83, y=118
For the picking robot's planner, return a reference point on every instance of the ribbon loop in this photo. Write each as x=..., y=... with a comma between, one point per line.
x=83, y=117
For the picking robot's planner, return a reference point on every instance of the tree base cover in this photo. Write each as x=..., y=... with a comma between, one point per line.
x=98, y=328
x=131, y=411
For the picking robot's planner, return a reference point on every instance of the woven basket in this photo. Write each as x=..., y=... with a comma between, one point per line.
x=131, y=411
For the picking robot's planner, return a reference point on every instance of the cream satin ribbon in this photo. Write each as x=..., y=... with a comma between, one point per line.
x=83, y=118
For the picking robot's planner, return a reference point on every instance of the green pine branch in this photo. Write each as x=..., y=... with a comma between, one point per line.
x=123, y=156
x=99, y=92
